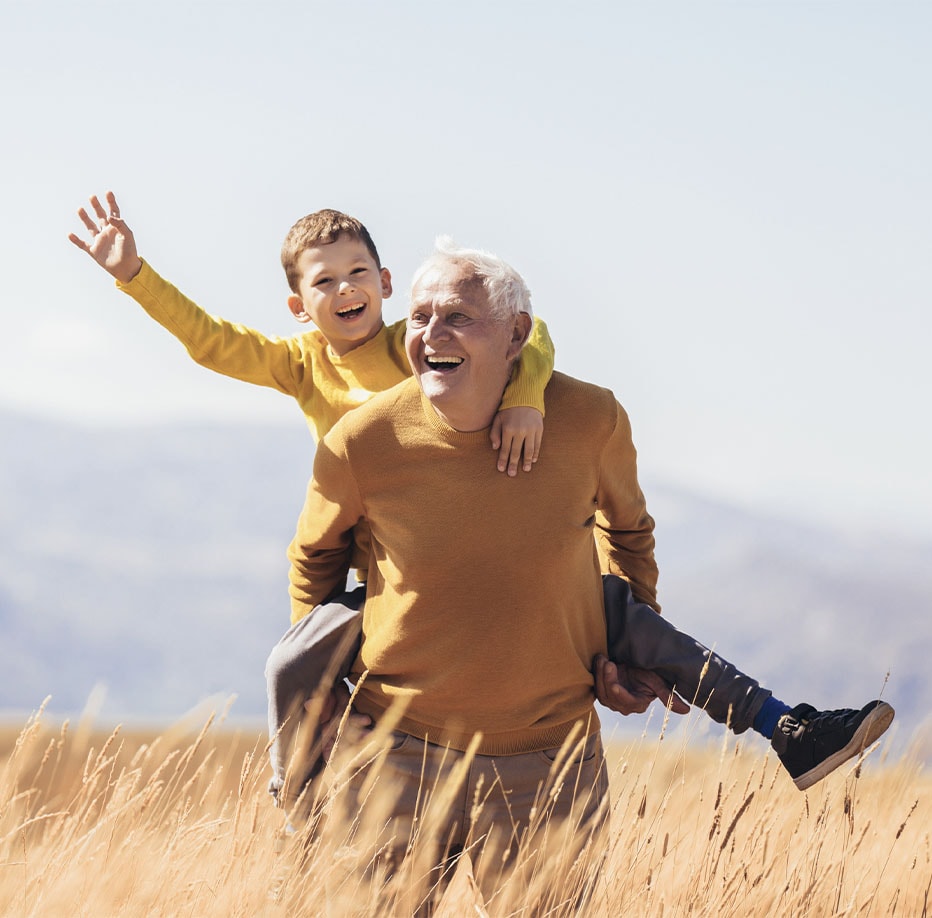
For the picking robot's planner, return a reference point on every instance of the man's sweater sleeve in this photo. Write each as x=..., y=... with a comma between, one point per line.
x=624, y=528
x=217, y=344
x=322, y=548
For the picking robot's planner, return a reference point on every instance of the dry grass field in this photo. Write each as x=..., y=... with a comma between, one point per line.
x=178, y=823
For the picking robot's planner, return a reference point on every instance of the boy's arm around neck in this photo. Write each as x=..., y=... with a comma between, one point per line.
x=532, y=371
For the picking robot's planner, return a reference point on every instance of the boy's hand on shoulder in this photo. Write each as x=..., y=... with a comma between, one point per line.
x=517, y=431
x=112, y=244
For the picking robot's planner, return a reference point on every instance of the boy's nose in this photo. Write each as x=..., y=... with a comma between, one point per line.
x=347, y=286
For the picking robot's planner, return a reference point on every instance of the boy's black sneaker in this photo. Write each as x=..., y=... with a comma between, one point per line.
x=812, y=743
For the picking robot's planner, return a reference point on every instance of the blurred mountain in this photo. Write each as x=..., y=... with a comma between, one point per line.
x=152, y=560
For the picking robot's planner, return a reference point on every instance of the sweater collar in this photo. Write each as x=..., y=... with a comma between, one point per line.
x=444, y=430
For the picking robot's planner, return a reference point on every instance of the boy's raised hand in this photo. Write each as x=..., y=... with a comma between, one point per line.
x=516, y=430
x=112, y=244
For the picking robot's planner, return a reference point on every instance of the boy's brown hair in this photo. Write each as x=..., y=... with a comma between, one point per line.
x=320, y=228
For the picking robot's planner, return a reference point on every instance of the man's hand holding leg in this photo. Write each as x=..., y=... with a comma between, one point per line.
x=629, y=690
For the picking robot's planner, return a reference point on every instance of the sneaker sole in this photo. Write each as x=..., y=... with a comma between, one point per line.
x=871, y=729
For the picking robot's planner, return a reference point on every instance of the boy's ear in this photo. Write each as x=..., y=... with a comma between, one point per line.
x=520, y=333
x=296, y=305
x=386, y=276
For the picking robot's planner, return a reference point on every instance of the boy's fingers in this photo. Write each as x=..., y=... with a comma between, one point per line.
x=495, y=434
x=80, y=243
x=514, y=458
x=98, y=207
x=531, y=450
x=86, y=220
x=503, y=454
x=112, y=204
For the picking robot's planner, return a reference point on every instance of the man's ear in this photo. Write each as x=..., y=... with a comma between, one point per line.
x=296, y=305
x=386, y=276
x=520, y=333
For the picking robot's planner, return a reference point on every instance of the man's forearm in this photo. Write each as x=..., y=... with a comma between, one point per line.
x=630, y=554
x=322, y=548
x=624, y=528
x=314, y=577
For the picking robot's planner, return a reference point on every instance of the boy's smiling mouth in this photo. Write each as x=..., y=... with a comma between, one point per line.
x=351, y=310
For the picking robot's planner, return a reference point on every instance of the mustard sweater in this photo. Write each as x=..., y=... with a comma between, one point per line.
x=324, y=384
x=484, y=605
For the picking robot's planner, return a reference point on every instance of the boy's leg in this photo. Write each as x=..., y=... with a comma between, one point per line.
x=638, y=635
x=809, y=743
x=322, y=644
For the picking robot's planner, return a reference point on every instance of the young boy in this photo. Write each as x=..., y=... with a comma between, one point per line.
x=338, y=283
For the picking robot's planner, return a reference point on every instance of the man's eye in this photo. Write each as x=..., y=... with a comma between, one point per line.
x=417, y=319
x=459, y=317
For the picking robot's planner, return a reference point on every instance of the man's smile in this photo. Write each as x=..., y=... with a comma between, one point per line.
x=442, y=364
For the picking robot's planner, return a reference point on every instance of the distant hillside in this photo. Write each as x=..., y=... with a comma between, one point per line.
x=153, y=561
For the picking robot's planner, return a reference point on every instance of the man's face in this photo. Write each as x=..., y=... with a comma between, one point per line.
x=459, y=352
x=341, y=290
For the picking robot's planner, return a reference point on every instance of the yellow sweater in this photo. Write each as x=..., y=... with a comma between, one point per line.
x=324, y=384
x=484, y=605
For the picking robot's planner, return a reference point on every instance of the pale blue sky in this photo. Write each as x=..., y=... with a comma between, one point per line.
x=722, y=209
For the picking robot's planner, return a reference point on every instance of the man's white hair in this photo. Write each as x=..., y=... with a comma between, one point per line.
x=508, y=294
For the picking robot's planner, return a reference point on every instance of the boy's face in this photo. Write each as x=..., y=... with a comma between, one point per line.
x=341, y=291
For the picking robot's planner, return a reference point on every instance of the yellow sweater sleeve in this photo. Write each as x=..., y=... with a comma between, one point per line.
x=217, y=344
x=325, y=385
x=532, y=371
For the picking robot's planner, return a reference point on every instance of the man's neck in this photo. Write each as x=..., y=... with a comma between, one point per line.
x=467, y=420
x=471, y=412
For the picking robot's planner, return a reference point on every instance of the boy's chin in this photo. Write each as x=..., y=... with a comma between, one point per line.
x=357, y=334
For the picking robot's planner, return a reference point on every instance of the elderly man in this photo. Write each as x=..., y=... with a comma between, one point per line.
x=484, y=606
x=484, y=602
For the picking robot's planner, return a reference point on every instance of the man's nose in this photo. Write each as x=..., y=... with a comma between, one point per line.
x=434, y=330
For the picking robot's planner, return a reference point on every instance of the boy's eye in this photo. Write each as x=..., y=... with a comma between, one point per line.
x=321, y=281
x=358, y=271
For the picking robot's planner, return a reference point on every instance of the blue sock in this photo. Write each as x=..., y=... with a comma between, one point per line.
x=766, y=720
